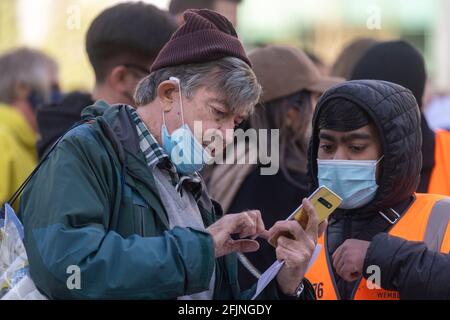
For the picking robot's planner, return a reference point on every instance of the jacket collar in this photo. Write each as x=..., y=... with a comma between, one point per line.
x=120, y=130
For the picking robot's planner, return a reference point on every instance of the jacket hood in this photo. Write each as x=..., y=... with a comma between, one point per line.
x=394, y=61
x=116, y=124
x=396, y=115
x=95, y=110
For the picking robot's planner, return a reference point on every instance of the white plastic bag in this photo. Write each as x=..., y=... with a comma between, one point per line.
x=15, y=280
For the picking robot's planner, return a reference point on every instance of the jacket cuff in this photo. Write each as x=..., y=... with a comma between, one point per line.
x=308, y=292
x=196, y=243
x=381, y=253
x=274, y=292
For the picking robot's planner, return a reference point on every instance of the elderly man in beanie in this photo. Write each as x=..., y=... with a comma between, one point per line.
x=115, y=206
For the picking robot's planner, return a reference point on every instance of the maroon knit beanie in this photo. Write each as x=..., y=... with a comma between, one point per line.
x=205, y=36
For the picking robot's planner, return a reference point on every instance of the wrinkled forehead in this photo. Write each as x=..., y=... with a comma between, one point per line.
x=212, y=95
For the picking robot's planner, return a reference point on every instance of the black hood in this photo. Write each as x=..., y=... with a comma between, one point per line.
x=55, y=119
x=394, y=61
x=396, y=115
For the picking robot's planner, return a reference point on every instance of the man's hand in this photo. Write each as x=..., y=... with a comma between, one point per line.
x=295, y=252
x=348, y=259
x=246, y=224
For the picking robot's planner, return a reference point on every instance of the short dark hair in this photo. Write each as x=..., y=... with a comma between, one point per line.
x=342, y=115
x=179, y=6
x=127, y=31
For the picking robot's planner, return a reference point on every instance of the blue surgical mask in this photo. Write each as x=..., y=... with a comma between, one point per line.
x=353, y=180
x=36, y=99
x=184, y=150
x=55, y=95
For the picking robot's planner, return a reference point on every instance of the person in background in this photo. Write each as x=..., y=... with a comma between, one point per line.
x=28, y=80
x=399, y=62
x=384, y=241
x=122, y=42
x=349, y=56
x=318, y=62
x=291, y=85
x=227, y=8
x=437, y=111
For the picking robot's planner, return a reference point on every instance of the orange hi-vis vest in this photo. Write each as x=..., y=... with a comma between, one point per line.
x=426, y=220
x=440, y=176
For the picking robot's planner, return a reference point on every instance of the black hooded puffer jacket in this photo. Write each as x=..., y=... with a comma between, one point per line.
x=395, y=113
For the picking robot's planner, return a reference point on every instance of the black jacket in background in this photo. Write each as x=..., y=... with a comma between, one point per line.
x=55, y=119
x=395, y=113
x=428, y=154
x=417, y=272
x=276, y=198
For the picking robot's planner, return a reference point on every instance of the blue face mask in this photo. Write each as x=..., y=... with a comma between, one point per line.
x=354, y=181
x=55, y=95
x=36, y=100
x=184, y=150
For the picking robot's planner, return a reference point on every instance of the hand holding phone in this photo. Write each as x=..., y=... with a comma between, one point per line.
x=324, y=201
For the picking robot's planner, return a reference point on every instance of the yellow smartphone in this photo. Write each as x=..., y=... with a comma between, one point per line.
x=324, y=200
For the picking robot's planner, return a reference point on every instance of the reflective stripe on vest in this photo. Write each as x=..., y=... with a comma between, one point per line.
x=440, y=176
x=427, y=220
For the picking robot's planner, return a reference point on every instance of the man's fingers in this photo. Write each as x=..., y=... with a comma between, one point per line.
x=281, y=253
x=337, y=257
x=292, y=257
x=312, y=228
x=339, y=265
x=348, y=273
x=265, y=235
x=260, y=227
x=322, y=227
x=353, y=276
x=244, y=245
x=256, y=217
x=338, y=251
x=240, y=223
x=247, y=224
x=290, y=227
x=292, y=245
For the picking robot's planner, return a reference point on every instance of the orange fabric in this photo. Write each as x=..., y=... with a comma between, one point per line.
x=440, y=176
x=320, y=277
x=445, y=248
x=411, y=226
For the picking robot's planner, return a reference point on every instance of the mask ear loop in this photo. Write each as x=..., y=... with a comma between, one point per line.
x=379, y=160
x=181, y=102
x=164, y=117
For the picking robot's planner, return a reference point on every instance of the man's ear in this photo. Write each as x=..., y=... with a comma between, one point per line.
x=168, y=92
x=117, y=78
